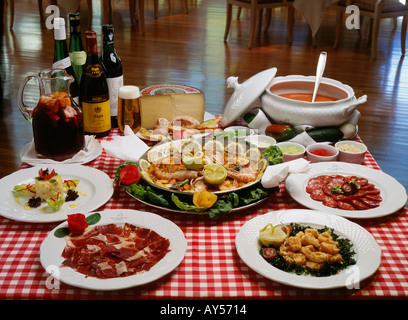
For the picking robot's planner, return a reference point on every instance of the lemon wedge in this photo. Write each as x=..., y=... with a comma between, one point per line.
x=144, y=165
x=254, y=154
x=273, y=235
x=154, y=154
x=190, y=145
x=193, y=161
x=214, y=173
x=214, y=145
x=235, y=148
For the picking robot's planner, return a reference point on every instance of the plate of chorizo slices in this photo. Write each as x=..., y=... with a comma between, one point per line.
x=348, y=190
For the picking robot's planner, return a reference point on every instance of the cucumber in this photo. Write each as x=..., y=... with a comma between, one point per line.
x=322, y=134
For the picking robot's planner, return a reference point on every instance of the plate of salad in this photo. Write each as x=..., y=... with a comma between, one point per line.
x=48, y=194
x=200, y=203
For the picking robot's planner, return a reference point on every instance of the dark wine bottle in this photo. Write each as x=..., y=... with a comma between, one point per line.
x=114, y=71
x=61, y=57
x=77, y=53
x=94, y=96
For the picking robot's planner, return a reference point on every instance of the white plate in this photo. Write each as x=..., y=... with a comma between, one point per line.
x=95, y=189
x=393, y=193
x=94, y=151
x=52, y=247
x=368, y=252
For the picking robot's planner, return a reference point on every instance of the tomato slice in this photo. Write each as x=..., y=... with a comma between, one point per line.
x=269, y=253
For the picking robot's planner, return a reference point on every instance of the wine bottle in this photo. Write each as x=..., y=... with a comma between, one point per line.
x=114, y=71
x=77, y=53
x=61, y=57
x=94, y=90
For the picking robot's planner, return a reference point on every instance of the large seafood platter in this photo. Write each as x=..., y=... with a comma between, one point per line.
x=190, y=165
x=190, y=175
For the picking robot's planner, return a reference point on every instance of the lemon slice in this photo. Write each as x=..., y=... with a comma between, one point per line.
x=235, y=148
x=214, y=173
x=155, y=154
x=214, y=145
x=262, y=164
x=193, y=161
x=190, y=145
x=254, y=154
x=273, y=235
x=144, y=165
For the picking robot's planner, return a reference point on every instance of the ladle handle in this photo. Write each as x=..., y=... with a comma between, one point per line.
x=321, y=64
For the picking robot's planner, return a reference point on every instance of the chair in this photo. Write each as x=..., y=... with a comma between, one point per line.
x=256, y=7
x=156, y=7
x=375, y=10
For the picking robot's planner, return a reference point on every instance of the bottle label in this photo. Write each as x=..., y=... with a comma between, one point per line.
x=96, y=116
x=114, y=84
x=62, y=64
x=94, y=70
x=78, y=57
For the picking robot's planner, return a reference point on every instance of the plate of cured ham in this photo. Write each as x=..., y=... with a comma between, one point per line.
x=124, y=249
x=348, y=190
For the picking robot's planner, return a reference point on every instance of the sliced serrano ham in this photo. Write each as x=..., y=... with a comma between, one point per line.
x=112, y=251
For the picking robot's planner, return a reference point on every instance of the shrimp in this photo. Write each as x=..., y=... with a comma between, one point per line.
x=178, y=175
x=294, y=243
x=308, y=239
x=329, y=248
x=313, y=255
x=215, y=157
x=198, y=184
x=314, y=265
x=297, y=258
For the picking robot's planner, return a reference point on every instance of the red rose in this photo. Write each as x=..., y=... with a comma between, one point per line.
x=129, y=175
x=77, y=223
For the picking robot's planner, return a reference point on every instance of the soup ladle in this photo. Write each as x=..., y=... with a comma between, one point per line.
x=321, y=64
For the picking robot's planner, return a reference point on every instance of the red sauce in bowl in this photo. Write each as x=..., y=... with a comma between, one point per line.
x=307, y=97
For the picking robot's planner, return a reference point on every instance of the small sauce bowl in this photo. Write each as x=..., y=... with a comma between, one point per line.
x=320, y=152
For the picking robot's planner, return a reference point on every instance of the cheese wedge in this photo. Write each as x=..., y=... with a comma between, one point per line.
x=171, y=106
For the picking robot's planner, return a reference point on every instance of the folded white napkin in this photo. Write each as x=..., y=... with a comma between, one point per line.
x=29, y=155
x=276, y=174
x=128, y=147
x=260, y=122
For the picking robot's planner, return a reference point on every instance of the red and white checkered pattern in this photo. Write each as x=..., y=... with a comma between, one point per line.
x=211, y=267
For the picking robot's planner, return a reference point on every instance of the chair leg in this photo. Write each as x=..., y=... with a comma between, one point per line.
x=11, y=3
x=404, y=33
x=374, y=37
x=339, y=23
x=254, y=19
x=141, y=17
x=228, y=21
x=156, y=8
x=186, y=6
x=291, y=21
x=132, y=12
x=268, y=15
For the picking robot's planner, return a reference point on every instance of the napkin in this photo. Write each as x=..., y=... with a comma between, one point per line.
x=276, y=174
x=30, y=156
x=128, y=147
x=260, y=122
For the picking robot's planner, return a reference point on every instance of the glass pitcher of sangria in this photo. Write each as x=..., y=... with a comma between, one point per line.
x=57, y=119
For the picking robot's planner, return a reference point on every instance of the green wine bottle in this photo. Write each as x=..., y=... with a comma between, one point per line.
x=114, y=71
x=77, y=53
x=61, y=57
x=94, y=92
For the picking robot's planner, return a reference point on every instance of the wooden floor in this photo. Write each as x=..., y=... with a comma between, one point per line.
x=189, y=49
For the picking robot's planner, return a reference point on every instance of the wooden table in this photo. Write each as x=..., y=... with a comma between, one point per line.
x=211, y=268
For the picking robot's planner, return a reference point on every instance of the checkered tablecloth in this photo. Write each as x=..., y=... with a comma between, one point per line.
x=211, y=268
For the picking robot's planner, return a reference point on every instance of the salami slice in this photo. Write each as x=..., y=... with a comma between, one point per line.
x=344, y=192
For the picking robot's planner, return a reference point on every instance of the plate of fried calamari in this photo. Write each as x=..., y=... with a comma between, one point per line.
x=308, y=249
